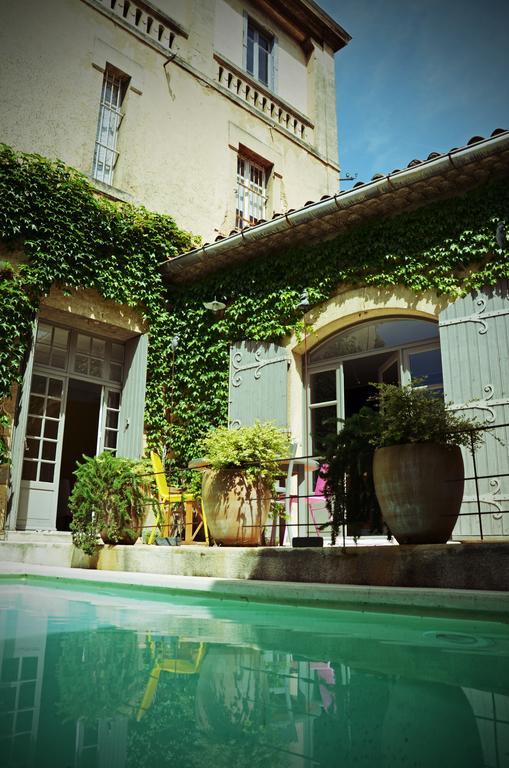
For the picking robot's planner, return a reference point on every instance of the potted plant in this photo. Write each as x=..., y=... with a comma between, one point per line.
x=417, y=469
x=238, y=488
x=350, y=493
x=109, y=500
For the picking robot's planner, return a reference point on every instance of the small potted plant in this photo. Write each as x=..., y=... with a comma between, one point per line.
x=238, y=488
x=418, y=467
x=109, y=500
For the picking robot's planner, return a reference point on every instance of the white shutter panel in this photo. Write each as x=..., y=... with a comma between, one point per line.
x=474, y=342
x=258, y=385
x=132, y=404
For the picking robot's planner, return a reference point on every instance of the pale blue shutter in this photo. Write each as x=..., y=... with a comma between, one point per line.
x=474, y=342
x=258, y=387
x=18, y=437
x=132, y=404
x=244, y=41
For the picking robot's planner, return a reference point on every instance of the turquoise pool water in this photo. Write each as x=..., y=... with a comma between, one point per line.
x=104, y=677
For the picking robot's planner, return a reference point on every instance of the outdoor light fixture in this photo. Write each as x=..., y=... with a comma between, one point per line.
x=174, y=342
x=304, y=300
x=214, y=306
x=501, y=236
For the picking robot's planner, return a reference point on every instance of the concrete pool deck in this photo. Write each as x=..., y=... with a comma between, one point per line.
x=461, y=566
x=406, y=599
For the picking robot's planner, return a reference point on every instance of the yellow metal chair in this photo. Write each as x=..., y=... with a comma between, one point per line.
x=186, y=660
x=167, y=498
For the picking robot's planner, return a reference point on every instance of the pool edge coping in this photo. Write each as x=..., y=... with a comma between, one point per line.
x=315, y=594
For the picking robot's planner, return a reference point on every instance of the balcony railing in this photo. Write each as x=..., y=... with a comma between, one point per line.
x=149, y=23
x=247, y=89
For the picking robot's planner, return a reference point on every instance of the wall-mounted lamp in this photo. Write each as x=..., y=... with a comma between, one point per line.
x=501, y=236
x=304, y=300
x=214, y=306
x=174, y=342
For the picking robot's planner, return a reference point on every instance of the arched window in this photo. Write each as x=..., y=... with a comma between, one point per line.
x=343, y=368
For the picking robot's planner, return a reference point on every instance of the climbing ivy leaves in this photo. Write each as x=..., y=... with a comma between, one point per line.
x=73, y=238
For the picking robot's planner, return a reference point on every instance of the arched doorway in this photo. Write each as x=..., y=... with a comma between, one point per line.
x=342, y=369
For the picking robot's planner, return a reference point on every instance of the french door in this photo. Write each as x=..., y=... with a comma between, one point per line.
x=76, y=378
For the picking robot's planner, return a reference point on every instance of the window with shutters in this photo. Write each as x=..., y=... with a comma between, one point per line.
x=106, y=153
x=251, y=192
x=259, y=46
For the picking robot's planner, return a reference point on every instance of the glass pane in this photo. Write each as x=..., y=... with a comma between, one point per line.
x=323, y=386
x=29, y=667
x=46, y=472
x=60, y=338
x=44, y=333
x=29, y=470
x=250, y=56
x=110, y=439
x=83, y=343
x=81, y=364
x=426, y=365
x=42, y=355
x=59, y=359
x=112, y=419
x=263, y=67
x=115, y=372
x=36, y=405
x=96, y=367
x=26, y=695
x=51, y=429
x=24, y=721
x=49, y=450
x=113, y=399
x=34, y=426
x=55, y=388
x=117, y=352
x=98, y=347
x=53, y=408
x=38, y=385
x=32, y=448
x=323, y=423
x=375, y=334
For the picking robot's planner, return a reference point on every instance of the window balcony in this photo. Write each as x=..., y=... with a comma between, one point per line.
x=244, y=87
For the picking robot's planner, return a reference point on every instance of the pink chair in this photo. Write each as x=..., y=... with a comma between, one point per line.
x=318, y=499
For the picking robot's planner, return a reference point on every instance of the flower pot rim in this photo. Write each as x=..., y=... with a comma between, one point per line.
x=415, y=445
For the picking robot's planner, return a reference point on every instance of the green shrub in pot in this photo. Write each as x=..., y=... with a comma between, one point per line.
x=413, y=440
x=237, y=490
x=109, y=500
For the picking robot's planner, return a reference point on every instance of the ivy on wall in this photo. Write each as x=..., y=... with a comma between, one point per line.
x=73, y=238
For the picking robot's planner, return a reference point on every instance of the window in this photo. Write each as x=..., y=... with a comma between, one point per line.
x=259, y=54
x=110, y=117
x=251, y=192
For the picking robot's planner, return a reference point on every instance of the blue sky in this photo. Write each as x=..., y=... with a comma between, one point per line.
x=418, y=76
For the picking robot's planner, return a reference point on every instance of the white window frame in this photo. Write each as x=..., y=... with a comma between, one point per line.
x=110, y=118
x=251, y=192
x=258, y=32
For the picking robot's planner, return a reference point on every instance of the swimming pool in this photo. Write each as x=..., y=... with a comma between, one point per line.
x=95, y=676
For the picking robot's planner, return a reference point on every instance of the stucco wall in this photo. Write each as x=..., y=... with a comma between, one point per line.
x=174, y=142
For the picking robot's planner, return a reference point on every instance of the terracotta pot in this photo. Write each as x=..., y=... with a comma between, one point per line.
x=236, y=510
x=124, y=537
x=419, y=487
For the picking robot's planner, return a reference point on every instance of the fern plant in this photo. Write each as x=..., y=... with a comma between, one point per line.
x=109, y=499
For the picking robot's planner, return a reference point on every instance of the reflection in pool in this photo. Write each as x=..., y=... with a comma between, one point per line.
x=125, y=680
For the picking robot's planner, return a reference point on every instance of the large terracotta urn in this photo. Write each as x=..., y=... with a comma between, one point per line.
x=236, y=510
x=419, y=487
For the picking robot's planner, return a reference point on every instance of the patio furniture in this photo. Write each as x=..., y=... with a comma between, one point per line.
x=169, y=497
x=293, y=466
x=186, y=659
